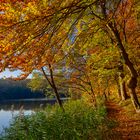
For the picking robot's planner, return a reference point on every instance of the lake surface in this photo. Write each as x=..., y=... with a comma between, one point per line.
x=11, y=108
x=6, y=117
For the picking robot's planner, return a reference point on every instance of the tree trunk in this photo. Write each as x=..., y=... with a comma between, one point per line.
x=119, y=91
x=132, y=88
x=52, y=84
x=92, y=94
x=133, y=80
x=118, y=85
x=55, y=88
x=105, y=96
x=124, y=95
x=122, y=85
x=134, y=100
x=58, y=97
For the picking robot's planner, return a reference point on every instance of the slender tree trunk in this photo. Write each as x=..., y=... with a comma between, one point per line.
x=133, y=79
x=118, y=86
x=93, y=96
x=55, y=88
x=52, y=84
x=119, y=91
x=105, y=96
x=134, y=99
x=122, y=85
x=58, y=97
x=124, y=95
x=92, y=92
x=132, y=88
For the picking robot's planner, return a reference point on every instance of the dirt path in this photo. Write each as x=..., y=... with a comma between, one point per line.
x=128, y=127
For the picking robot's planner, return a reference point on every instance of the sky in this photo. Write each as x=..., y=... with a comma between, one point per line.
x=7, y=74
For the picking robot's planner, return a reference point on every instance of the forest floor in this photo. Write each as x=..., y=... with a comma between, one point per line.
x=128, y=122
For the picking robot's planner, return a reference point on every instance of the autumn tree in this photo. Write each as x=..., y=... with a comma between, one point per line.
x=119, y=26
x=27, y=50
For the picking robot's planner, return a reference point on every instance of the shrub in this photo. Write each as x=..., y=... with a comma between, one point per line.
x=79, y=122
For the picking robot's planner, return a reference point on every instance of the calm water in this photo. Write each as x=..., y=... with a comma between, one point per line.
x=10, y=109
x=6, y=117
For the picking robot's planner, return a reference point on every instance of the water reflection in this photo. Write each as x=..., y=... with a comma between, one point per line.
x=27, y=104
x=6, y=117
x=10, y=109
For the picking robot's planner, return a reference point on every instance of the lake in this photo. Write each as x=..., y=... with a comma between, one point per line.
x=6, y=117
x=11, y=108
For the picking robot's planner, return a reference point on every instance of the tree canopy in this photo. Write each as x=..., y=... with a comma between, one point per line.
x=93, y=36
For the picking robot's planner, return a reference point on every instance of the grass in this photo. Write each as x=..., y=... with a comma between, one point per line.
x=79, y=122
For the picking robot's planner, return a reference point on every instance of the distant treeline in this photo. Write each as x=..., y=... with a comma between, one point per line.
x=10, y=90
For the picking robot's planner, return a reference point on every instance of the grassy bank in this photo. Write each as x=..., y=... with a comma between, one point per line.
x=79, y=122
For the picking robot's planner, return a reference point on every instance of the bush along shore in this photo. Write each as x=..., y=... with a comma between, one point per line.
x=80, y=121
